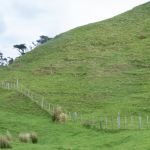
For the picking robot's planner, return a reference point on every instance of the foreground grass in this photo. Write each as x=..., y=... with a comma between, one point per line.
x=61, y=136
x=98, y=70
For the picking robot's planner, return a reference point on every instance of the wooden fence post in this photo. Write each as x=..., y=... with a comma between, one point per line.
x=112, y=122
x=118, y=119
x=106, y=122
x=8, y=85
x=14, y=85
x=125, y=122
x=147, y=122
x=81, y=118
x=75, y=117
x=42, y=102
x=17, y=84
x=53, y=109
x=93, y=120
x=100, y=123
x=131, y=122
x=139, y=123
x=49, y=107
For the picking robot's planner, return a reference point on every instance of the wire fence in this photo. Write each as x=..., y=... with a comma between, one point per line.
x=102, y=123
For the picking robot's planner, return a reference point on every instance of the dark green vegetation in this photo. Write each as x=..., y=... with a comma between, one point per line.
x=98, y=69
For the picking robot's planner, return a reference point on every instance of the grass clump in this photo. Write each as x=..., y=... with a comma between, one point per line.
x=86, y=124
x=24, y=137
x=33, y=137
x=9, y=136
x=143, y=36
x=4, y=143
x=58, y=116
x=63, y=118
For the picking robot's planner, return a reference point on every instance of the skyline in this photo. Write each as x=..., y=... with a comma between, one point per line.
x=27, y=20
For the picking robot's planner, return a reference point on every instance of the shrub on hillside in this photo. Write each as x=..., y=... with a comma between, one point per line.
x=24, y=137
x=58, y=116
x=143, y=36
x=9, y=136
x=4, y=143
x=33, y=137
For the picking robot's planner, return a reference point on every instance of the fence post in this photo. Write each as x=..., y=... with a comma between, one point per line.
x=53, y=109
x=75, y=117
x=100, y=123
x=112, y=122
x=118, y=119
x=147, y=122
x=11, y=86
x=14, y=85
x=93, y=120
x=125, y=122
x=8, y=85
x=139, y=123
x=49, y=107
x=42, y=102
x=132, y=122
x=2, y=83
x=106, y=122
x=17, y=85
x=81, y=118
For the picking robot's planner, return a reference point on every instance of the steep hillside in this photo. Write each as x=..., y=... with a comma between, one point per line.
x=100, y=68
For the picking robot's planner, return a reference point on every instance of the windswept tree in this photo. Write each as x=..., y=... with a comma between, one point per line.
x=3, y=61
x=42, y=40
x=21, y=48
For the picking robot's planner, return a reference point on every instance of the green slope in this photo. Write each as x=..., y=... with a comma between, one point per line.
x=99, y=69
x=19, y=114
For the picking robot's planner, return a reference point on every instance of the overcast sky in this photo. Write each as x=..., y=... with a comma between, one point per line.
x=23, y=21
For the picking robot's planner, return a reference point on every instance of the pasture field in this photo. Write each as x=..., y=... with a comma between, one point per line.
x=98, y=69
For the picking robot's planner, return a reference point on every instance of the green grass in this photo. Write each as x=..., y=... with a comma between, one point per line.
x=61, y=136
x=98, y=69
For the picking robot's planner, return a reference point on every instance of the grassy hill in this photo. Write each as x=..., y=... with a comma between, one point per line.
x=98, y=69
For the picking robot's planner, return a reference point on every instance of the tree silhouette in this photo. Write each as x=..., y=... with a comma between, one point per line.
x=21, y=48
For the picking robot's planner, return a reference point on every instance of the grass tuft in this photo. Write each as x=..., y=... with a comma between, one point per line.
x=63, y=118
x=9, y=136
x=58, y=116
x=24, y=137
x=4, y=143
x=143, y=36
x=86, y=124
x=33, y=137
